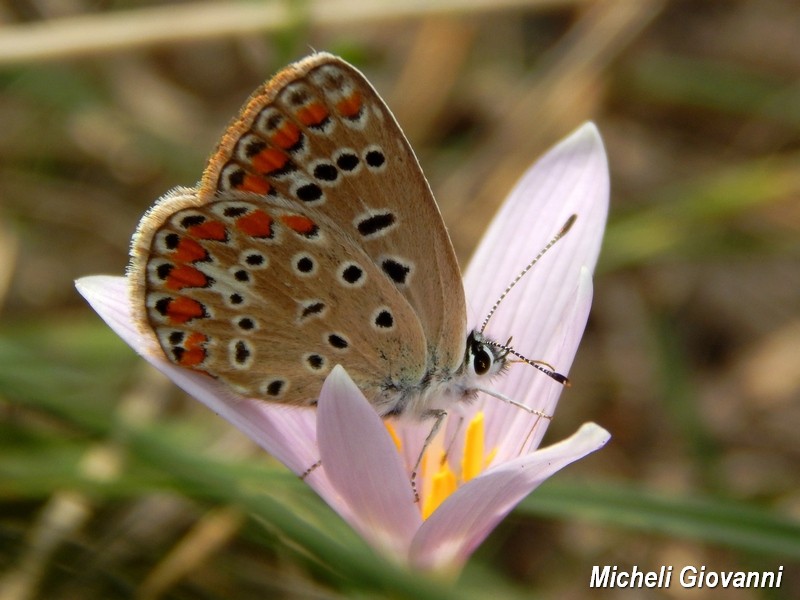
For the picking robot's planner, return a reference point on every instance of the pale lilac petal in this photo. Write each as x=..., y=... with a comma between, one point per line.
x=412, y=433
x=463, y=521
x=364, y=466
x=288, y=433
x=510, y=430
x=547, y=311
x=572, y=178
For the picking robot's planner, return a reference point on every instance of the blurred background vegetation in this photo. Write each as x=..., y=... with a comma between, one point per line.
x=115, y=485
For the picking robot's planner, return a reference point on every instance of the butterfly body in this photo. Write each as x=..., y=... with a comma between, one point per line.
x=312, y=240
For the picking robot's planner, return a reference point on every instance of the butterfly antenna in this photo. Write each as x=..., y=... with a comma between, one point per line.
x=540, y=365
x=562, y=232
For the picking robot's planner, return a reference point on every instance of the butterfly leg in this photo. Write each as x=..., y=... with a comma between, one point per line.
x=310, y=470
x=513, y=402
x=438, y=415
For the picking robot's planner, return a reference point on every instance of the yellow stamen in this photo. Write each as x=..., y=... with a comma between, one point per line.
x=473, y=460
x=436, y=478
x=442, y=484
x=489, y=458
x=395, y=438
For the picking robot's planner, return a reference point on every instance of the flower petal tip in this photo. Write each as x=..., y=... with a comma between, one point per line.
x=92, y=285
x=587, y=133
x=588, y=129
x=586, y=139
x=592, y=435
x=338, y=383
x=339, y=375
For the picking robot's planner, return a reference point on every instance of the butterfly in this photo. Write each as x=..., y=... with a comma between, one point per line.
x=313, y=239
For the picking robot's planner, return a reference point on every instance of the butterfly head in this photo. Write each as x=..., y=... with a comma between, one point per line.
x=483, y=357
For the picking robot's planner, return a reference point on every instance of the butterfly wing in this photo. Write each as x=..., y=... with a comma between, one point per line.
x=319, y=134
x=267, y=296
x=315, y=167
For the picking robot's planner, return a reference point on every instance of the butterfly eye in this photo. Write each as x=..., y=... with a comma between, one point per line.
x=481, y=359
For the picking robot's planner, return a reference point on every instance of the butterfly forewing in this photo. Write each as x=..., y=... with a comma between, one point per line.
x=320, y=135
x=312, y=240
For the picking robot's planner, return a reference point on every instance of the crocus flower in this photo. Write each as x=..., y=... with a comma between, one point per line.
x=487, y=457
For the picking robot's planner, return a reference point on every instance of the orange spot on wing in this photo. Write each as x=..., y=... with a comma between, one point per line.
x=350, y=107
x=256, y=184
x=269, y=160
x=255, y=224
x=313, y=114
x=183, y=309
x=194, y=352
x=189, y=251
x=299, y=223
x=184, y=276
x=286, y=136
x=210, y=230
